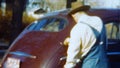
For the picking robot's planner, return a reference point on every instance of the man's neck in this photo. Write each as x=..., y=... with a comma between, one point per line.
x=77, y=15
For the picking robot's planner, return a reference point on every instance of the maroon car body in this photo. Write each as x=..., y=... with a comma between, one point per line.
x=39, y=48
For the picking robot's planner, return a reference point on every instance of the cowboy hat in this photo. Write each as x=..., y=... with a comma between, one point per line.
x=77, y=6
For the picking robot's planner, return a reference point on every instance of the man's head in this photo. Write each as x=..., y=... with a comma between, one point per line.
x=78, y=7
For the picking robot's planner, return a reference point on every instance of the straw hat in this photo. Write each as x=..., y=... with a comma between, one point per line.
x=78, y=6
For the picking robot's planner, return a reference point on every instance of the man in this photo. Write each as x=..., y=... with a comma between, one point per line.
x=87, y=41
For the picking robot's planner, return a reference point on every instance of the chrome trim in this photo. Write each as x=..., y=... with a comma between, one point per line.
x=113, y=53
x=63, y=58
x=19, y=53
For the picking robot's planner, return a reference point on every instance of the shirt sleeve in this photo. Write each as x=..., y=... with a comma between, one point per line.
x=73, y=51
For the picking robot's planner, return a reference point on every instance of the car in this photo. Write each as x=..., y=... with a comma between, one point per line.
x=40, y=44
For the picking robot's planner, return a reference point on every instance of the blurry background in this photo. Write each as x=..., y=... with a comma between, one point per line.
x=15, y=15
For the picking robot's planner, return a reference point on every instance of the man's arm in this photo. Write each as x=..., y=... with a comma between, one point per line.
x=73, y=52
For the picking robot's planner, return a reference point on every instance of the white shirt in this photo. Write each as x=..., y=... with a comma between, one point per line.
x=82, y=39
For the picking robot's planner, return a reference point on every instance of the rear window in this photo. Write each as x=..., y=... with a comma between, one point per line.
x=113, y=30
x=50, y=24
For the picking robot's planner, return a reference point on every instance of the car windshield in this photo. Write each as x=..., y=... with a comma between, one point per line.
x=51, y=24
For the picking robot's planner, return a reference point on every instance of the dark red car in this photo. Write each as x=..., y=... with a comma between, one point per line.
x=40, y=45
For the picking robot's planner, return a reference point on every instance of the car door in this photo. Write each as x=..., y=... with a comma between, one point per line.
x=113, y=48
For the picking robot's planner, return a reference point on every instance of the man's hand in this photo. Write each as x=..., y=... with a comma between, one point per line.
x=66, y=41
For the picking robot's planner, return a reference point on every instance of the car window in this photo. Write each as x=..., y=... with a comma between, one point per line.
x=51, y=24
x=113, y=30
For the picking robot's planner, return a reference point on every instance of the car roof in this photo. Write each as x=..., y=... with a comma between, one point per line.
x=110, y=14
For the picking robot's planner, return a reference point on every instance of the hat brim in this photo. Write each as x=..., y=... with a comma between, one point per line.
x=81, y=8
